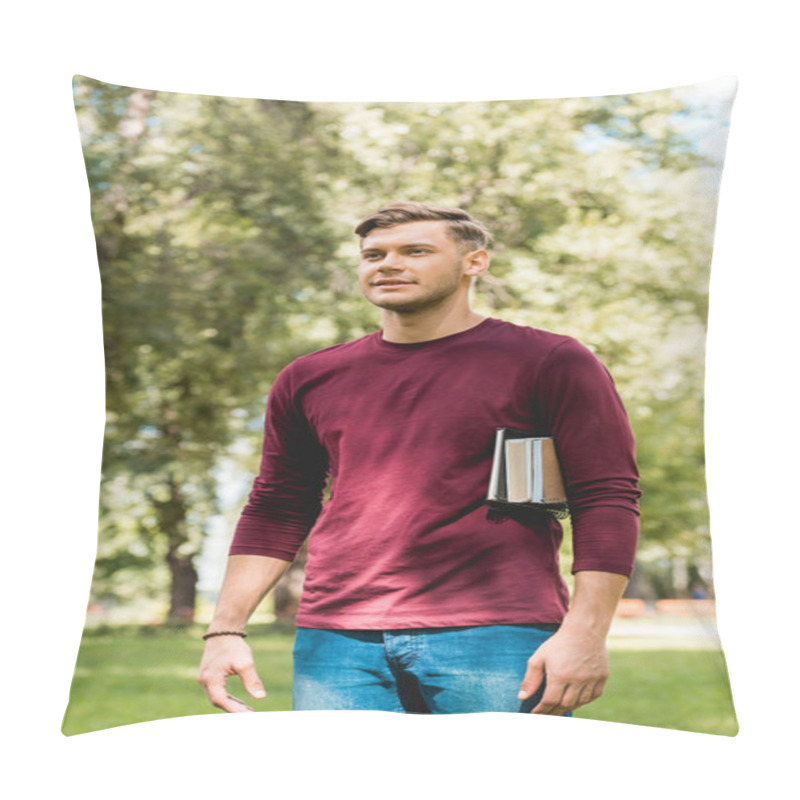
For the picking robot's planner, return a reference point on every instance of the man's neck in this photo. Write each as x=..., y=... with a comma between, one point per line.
x=424, y=327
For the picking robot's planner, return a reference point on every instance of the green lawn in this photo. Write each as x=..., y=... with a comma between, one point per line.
x=122, y=678
x=681, y=689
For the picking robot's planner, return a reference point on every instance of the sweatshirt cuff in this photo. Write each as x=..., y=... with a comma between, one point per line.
x=252, y=538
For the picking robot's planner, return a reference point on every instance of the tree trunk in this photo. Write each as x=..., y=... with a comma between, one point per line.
x=183, y=575
x=183, y=588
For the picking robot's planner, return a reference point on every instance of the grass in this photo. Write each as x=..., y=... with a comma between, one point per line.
x=121, y=679
x=124, y=677
x=679, y=689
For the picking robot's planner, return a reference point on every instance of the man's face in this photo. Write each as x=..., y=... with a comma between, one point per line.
x=413, y=266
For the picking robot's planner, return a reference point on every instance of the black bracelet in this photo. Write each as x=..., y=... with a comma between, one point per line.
x=224, y=633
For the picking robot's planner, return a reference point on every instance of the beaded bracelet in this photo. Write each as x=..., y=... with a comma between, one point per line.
x=225, y=633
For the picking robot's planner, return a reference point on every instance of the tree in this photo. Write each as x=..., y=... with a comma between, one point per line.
x=198, y=226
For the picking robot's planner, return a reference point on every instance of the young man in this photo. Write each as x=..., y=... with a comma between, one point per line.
x=418, y=597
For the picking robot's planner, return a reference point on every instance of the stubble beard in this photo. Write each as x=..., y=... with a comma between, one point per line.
x=436, y=297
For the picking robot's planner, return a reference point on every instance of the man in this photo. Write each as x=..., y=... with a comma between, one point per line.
x=418, y=597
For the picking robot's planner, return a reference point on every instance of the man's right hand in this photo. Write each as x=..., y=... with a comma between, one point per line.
x=225, y=656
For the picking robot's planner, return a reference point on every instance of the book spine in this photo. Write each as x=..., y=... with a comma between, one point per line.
x=517, y=472
x=536, y=472
x=529, y=476
x=496, y=490
x=553, y=483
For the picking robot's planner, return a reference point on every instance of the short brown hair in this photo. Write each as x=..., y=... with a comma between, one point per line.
x=461, y=226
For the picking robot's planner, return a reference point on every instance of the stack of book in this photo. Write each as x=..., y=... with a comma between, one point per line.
x=526, y=472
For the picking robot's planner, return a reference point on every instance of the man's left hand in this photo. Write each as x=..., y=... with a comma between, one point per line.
x=575, y=663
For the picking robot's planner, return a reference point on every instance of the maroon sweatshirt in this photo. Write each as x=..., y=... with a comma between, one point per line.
x=405, y=434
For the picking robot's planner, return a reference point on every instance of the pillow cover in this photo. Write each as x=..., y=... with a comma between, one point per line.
x=225, y=247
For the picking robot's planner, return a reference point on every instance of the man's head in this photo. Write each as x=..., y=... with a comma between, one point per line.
x=419, y=258
x=467, y=232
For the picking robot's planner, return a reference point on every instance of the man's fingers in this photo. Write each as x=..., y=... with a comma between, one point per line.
x=235, y=705
x=552, y=699
x=590, y=693
x=562, y=700
x=568, y=700
x=216, y=689
x=219, y=697
x=532, y=680
x=221, y=660
x=252, y=682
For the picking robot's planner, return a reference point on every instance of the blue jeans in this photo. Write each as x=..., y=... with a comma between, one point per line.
x=416, y=671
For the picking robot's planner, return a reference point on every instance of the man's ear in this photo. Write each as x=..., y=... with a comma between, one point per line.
x=477, y=262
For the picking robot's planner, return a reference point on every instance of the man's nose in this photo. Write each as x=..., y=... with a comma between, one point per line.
x=390, y=261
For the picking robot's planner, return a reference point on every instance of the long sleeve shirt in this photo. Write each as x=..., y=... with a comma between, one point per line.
x=403, y=434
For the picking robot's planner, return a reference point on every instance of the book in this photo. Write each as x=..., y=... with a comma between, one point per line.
x=526, y=472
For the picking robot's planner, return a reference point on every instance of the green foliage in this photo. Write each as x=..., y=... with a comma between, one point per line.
x=224, y=237
x=203, y=208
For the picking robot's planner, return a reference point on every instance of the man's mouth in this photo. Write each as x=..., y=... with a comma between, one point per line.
x=389, y=283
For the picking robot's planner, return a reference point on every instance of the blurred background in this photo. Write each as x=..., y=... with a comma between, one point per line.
x=225, y=245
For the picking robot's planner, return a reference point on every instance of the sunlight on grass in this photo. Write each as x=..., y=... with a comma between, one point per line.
x=124, y=679
x=678, y=689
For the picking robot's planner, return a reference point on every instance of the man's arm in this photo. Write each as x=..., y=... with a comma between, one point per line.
x=581, y=409
x=281, y=510
x=247, y=580
x=574, y=659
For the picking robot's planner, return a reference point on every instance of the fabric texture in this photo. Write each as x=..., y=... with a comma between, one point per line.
x=416, y=671
x=406, y=432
